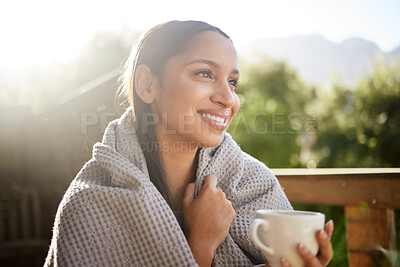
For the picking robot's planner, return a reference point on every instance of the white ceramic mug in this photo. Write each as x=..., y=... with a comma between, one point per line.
x=278, y=232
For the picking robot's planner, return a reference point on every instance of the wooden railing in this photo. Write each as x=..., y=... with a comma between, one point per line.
x=21, y=241
x=369, y=198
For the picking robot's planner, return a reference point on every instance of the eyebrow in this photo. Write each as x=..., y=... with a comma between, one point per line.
x=211, y=63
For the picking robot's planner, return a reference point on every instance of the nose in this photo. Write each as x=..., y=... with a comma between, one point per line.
x=223, y=95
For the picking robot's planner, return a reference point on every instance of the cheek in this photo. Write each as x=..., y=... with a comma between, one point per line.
x=182, y=95
x=175, y=101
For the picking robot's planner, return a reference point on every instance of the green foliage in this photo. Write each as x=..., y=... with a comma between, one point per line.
x=272, y=120
x=285, y=123
x=361, y=127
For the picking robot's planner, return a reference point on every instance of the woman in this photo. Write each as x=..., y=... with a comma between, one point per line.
x=168, y=186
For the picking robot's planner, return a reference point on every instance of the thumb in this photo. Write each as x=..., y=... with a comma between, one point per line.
x=189, y=194
x=212, y=180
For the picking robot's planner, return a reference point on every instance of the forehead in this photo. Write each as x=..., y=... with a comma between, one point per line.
x=212, y=46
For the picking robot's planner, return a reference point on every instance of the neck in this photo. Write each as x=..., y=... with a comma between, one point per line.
x=180, y=165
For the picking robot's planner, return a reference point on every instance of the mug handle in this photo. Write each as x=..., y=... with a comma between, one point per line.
x=254, y=237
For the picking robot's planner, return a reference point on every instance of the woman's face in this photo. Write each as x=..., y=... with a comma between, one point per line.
x=197, y=100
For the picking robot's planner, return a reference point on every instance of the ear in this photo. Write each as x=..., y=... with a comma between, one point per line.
x=144, y=84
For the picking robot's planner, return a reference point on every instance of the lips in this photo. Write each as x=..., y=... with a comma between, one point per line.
x=215, y=118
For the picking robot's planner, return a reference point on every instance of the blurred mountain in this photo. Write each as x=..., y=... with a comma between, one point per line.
x=317, y=59
x=395, y=53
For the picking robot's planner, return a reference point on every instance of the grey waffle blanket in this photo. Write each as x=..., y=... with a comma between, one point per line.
x=113, y=215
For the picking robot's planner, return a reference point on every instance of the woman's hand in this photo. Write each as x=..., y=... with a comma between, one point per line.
x=325, y=252
x=206, y=219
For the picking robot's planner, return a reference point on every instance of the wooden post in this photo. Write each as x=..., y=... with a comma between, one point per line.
x=371, y=236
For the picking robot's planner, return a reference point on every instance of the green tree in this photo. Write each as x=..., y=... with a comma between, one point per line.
x=272, y=118
x=361, y=127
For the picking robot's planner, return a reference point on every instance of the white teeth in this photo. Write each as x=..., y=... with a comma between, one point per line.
x=213, y=117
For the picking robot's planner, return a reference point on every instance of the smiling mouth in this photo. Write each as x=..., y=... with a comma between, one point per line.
x=216, y=122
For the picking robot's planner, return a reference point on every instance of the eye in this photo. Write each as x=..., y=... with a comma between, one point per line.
x=234, y=82
x=205, y=74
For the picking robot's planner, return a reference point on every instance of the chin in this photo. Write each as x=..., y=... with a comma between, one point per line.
x=212, y=141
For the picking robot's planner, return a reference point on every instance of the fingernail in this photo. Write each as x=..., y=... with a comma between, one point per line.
x=284, y=261
x=302, y=248
x=330, y=223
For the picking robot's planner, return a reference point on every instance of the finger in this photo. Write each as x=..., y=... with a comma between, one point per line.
x=308, y=257
x=189, y=194
x=325, y=253
x=211, y=180
x=285, y=263
x=329, y=228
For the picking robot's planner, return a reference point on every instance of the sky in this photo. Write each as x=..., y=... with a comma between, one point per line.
x=44, y=31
